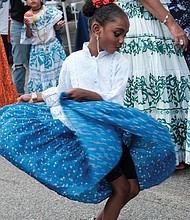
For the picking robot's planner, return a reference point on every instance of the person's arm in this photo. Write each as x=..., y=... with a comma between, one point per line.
x=157, y=9
x=28, y=30
x=79, y=95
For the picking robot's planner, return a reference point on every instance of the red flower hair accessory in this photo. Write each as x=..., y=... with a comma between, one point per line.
x=99, y=3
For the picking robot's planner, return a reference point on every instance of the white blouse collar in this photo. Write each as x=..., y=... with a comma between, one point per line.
x=87, y=51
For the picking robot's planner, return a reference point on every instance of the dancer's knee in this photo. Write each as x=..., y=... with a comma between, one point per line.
x=122, y=191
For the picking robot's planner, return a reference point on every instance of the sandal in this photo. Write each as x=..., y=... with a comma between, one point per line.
x=181, y=166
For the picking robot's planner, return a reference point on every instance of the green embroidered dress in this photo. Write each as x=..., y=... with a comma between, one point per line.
x=160, y=80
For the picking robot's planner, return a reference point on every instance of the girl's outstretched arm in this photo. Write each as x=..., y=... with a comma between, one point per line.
x=30, y=98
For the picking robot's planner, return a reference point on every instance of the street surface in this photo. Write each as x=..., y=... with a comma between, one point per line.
x=24, y=198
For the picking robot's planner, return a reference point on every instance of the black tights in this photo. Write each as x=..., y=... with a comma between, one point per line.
x=125, y=167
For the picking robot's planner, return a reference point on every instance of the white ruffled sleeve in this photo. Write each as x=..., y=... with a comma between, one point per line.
x=51, y=96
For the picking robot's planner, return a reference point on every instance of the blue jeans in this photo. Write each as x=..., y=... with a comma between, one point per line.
x=20, y=54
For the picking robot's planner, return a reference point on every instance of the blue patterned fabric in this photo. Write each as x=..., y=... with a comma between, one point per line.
x=180, y=9
x=73, y=162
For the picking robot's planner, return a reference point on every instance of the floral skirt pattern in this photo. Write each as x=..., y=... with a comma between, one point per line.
x=160, y=83
x=45, y=67
x=74, y=161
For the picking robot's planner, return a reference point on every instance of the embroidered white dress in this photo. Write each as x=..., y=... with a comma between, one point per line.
x=159, y=83
x=46, y=54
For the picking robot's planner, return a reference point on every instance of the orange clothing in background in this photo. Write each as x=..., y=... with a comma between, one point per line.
x=8, y=93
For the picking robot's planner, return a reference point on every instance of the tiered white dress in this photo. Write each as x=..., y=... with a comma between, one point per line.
x=159, y=83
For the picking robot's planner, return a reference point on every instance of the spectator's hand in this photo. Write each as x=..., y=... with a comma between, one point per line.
x=179, y=35
x=25, y=98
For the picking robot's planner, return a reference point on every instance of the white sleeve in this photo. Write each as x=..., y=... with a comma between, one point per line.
x=51, y=96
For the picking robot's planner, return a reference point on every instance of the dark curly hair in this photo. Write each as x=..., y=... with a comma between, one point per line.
x=102, y=15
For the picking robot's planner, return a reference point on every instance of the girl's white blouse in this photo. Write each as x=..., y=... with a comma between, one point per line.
x=105, y=74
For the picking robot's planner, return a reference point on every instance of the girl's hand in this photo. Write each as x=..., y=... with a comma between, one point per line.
x=59, y=25
x=27, y=22
x=25, y=98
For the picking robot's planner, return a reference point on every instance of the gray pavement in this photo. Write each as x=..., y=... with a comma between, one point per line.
x=24, y=198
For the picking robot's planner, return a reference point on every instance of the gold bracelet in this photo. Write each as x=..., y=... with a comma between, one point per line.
x=166, y=18
x=34, y=97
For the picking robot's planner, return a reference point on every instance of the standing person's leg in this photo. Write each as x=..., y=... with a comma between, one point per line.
x=125, y=186
x=20, y=54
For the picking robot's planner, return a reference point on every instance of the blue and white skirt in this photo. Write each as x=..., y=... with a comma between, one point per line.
x=74, y=161
x=45, y=67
